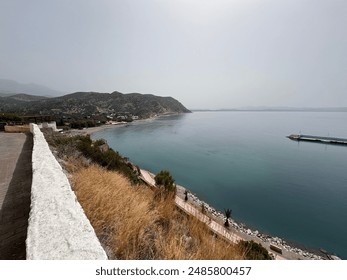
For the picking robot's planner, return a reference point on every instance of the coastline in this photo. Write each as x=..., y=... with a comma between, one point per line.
x=89, y=130
x=95, y=129
x=239, y=230
x=292, y=251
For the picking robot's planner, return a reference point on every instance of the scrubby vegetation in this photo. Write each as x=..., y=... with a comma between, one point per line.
x=254, y=251
x=79, y=124
x=136, y=223
x=10, y=117
x=97, y=152
x=164, y=179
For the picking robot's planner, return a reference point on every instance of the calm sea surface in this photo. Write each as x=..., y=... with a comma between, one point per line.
x=243, y=161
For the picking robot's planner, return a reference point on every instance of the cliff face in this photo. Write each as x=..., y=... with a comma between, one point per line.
x=89, y=103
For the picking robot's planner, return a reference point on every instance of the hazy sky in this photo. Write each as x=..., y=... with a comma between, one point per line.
x=206, y=54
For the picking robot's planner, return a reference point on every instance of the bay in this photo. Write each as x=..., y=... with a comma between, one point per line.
x=243, y=161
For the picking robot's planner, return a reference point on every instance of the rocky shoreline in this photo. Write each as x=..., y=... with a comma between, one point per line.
x=247, y=232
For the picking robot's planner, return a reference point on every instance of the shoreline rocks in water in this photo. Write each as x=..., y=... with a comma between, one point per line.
x=240, y=227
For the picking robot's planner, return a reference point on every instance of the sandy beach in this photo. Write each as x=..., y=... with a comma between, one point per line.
x=91, y=130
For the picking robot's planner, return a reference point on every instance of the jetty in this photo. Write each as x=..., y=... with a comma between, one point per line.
x=320, y=139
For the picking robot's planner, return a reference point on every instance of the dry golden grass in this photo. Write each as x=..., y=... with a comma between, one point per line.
x=136, y=222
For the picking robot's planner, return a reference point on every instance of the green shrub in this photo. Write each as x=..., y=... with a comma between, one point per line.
x=109, y=159
x=99, y=142
x=164, y=179
x=254, y=251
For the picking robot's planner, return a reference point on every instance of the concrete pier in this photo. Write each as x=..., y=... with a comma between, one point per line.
x=321, y=139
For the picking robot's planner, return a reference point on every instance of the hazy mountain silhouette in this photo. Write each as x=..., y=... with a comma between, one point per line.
x=92, y=103
x=10, y=87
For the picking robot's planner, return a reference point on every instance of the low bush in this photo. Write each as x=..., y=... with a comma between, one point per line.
x=164, y=179
x=254, y=251
x=110, y=159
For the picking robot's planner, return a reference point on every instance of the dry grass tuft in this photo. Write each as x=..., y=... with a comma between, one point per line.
x=141, y=223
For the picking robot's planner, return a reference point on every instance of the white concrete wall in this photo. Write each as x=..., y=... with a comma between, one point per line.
x=58, y=227
x=51, y=124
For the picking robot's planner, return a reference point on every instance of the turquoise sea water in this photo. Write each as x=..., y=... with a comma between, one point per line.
x=243, y=161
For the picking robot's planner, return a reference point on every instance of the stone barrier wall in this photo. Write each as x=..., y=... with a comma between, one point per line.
x=58, y=228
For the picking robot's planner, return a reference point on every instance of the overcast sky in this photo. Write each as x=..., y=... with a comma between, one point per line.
x=206, y=54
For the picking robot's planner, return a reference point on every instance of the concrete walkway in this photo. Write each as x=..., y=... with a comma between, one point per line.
x=15, y=191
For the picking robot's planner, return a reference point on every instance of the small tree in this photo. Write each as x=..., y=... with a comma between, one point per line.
x=186, y=195
x=227, y=215
x=203, y=208
x=164, y=179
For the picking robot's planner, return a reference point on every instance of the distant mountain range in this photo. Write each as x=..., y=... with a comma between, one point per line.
x=88, y=104
x=33, y=99
x=10, y=87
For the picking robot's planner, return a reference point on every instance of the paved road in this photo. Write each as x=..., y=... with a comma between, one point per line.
x=15, y=190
